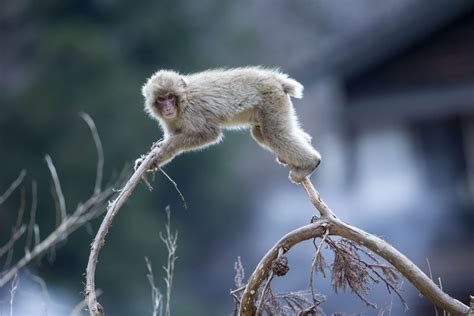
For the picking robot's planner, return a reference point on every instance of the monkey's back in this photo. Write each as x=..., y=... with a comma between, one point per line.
x=230, y=93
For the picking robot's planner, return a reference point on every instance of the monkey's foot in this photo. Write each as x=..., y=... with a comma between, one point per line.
x=298, y=174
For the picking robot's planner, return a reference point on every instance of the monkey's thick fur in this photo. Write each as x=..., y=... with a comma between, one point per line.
x=210, y=101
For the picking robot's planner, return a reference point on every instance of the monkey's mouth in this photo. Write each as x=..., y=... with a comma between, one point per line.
x=169, y=111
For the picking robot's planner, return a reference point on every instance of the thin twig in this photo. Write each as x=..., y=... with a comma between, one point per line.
x=100, y=151
x=15, y=235
x=240, y=289
x=13, y=186
x=313, y=265
x=13, y=290
x=156, y=296
x=57, y=186
x=441, y=287
x=264, y=292
x=171, y=242
x=176, y=187
x=431, y=277
x=11, y=242
x=21, y=210
x=239, y=273
x=34, y=204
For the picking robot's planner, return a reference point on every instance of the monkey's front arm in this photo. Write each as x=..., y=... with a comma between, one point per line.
x=175, y=144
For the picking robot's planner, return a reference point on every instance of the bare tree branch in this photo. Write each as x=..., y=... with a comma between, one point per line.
x=156, y=296
x=171, y=242
x=13, y=186
x=67, y=226
x=13, y=290
x=431, y=277
x=99, y=148
x=84, y=212
x=9, y=245
x=95, y=308
x=176, y=188
x=316, y=200
x=18, y=226
x=57, y=186
x=32, y=222
x=329, y=221
x=314, y=265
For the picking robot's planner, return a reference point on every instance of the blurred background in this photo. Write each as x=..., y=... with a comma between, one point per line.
x=389, y=100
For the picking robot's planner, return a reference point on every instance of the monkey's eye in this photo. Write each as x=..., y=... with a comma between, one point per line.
x=170, y=96
x=161, y=99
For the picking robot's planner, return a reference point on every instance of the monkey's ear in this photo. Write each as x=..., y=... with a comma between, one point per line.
x=182, y=83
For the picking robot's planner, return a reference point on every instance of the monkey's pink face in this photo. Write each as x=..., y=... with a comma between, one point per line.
x=166, y=104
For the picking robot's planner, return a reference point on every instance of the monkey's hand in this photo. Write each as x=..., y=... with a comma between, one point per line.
x=157, y=144
x=154, y=165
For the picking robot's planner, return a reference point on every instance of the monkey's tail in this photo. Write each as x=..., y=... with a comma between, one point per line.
x=291, y=86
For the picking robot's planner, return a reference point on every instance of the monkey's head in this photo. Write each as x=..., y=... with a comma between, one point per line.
x=163, y=92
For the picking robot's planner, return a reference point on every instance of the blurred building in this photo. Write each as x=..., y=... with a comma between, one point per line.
x=403, y=86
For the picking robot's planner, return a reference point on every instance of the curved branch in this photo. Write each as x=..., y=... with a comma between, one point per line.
x=337, y=227
x=95, y=308
x=404, y=265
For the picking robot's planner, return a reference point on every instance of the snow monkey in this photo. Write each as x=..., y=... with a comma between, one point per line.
x=193, y=109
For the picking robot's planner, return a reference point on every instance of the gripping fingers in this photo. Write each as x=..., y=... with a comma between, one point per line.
x=139, y=161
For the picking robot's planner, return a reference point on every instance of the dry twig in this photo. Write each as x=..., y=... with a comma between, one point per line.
x=156, y=296
x=84, y=212
x=13, y=186
x=176, y=187
x=431, y=277
x=57, y=187
x=317, y=264
x=13, y=290
x=100, y=151
x=171, y=242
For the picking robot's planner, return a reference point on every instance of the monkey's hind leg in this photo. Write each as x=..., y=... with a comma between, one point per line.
x=257, y=135
x=260, y=139
x=294, y=150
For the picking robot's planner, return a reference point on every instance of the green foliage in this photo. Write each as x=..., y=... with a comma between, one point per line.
x=93, y=56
